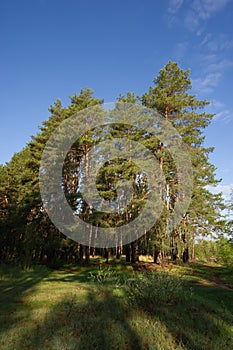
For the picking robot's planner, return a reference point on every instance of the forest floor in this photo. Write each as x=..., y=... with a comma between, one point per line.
x=117, y=306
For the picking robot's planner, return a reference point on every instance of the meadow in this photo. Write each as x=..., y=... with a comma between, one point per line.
x=117, y=306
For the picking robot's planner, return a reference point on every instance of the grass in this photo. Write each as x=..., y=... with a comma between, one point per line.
x=175, y=307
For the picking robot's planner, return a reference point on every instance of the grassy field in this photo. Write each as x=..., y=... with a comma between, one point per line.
x=170, y=307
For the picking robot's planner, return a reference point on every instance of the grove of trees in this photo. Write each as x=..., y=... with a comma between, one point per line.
x=27, y=235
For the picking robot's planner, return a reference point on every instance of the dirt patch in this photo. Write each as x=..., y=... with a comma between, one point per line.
x=219, y=283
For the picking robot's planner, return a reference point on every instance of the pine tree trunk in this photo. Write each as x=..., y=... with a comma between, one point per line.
x=81, y=253
x=185, y=255
x=106, y=254
x=118, y=252
x=87, y=255
x=193, y=246
x=155, y=254
x=128, y=251
x=174, y=252
x=92, y=251
x=134, y=256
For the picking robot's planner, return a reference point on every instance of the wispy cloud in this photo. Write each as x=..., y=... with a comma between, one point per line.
x=174, y=6
x=212, y=68
x=206, y=39
x=206, y=84
x=222, y=113
x=204, y=9
x=216, y=43
x=195, y=11
x=173, y=10
x=220, y=65
x=213, y=52
x=213, y=62
x=225, y=115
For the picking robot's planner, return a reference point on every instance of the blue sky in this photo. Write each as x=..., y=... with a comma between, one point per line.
x=52, y=48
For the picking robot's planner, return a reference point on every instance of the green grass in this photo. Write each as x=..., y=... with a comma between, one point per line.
x=114, y=308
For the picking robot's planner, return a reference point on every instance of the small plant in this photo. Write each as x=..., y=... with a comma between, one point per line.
x=106, y=276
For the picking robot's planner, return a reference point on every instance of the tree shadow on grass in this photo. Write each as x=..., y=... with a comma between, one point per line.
x=201, y=323
x=101, y=318
x=101, y=322
x=14, y=286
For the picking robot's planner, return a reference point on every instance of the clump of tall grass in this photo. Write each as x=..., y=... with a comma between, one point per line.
x=150, y=289
x=107, y=276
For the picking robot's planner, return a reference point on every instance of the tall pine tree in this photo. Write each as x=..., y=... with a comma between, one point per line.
x=171, y=97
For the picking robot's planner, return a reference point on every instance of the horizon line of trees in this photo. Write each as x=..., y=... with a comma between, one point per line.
x=27, y=235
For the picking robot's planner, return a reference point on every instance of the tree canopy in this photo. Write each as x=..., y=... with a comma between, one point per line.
x=28, y=236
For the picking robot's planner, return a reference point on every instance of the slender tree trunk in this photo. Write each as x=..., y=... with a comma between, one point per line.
x=118, y=252
x=174, y=252
x=193, y=246
x=106, y=254
x=155, y=254
x=185, y=255
x=81, y=253
x=128, y=251
x=134, y=255
x=92, y=251
x=173, y=246
x=87, y=255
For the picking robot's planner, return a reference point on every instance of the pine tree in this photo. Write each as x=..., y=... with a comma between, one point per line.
x=171, y=97
x=71, y=176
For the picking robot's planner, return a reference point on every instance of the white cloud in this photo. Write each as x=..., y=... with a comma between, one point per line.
x=222, y=113
x=226, y=190
x=215, y=104
x=209, y=58
x=214, y=51
x=211, y=71
x=204, y=9
x=208, y=83
x=206, y=39
x=199, y=31
x=174, y=6
x=217, y=43
x=196, y=11
x=221, y=65
x=191, y=21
